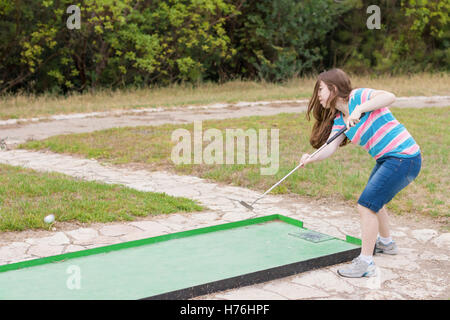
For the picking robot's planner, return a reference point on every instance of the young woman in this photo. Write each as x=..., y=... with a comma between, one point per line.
x=370, y=124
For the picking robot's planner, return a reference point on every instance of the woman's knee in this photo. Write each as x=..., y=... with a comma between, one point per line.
x=365, y=209
x=383, y=210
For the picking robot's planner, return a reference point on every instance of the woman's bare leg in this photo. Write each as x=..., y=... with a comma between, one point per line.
x=383, y=223
x=369, y=230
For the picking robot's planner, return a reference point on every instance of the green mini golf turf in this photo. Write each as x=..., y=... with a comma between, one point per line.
x=160, y=265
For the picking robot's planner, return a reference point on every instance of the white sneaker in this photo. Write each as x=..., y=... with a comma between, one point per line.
x=390, y=248
x=358, y=269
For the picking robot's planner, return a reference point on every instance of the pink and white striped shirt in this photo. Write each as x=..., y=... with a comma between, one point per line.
x=378, y=131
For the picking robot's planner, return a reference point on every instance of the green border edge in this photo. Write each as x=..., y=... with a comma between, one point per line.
x=171, y=236
x=353, y=240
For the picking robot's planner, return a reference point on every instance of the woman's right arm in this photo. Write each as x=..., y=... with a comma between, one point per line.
x=325, y=152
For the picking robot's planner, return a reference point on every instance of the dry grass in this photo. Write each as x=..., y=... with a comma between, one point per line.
x=28, y=106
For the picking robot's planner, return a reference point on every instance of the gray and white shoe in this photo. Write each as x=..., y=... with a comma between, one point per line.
x=390, y=248
x=358, y=269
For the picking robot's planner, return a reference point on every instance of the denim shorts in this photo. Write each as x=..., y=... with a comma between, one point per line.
x=388, y=177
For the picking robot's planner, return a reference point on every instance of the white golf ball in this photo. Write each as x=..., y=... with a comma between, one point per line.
x=49, y=219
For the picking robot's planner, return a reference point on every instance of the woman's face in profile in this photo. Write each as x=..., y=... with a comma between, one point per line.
x=324, y=94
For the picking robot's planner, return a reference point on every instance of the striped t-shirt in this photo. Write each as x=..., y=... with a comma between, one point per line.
x=378, y=131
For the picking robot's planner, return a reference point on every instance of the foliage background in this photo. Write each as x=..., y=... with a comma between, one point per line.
x=138, y=43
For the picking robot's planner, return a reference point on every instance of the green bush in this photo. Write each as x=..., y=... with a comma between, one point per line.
x=138, y=43
x=279, y=39
x=120, y=43
x=414, y=37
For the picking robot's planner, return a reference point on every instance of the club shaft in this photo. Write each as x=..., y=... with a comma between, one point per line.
x=293, y=170
x=301, y=163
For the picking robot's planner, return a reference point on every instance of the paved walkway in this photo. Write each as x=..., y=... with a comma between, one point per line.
x=420, y=271
x=19, y=131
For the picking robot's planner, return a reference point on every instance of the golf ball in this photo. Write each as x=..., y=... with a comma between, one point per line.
x=49, y=219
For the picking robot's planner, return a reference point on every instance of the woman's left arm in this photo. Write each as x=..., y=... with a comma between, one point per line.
x=378, y=99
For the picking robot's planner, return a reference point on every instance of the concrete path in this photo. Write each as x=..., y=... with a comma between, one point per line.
x=19, y=131
x=420, y=271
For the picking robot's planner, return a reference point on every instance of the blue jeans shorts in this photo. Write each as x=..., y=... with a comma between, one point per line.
x=388, y=177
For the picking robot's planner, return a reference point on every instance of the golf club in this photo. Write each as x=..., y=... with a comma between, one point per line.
x=250, y=206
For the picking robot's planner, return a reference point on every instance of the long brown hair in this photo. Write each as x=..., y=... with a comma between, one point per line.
x=324, y=117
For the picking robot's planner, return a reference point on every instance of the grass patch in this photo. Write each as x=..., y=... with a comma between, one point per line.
x=27, y=196
x=342, y=177
x=26, y=106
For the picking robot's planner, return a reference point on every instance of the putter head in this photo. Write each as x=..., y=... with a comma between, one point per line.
x=245, y=204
